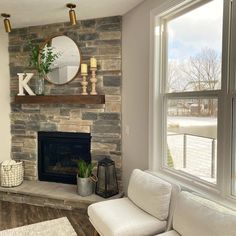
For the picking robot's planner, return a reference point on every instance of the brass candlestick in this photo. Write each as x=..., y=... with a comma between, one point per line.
x=93, y=81
x=84, y=84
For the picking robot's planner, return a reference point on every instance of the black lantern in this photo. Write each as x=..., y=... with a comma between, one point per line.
x=107, y=181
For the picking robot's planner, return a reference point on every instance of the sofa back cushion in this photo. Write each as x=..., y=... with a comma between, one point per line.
x=174, y=196
x=150, y=193
x=197, y=216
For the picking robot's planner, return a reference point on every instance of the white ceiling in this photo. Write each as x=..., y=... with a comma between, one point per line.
x=40, y=12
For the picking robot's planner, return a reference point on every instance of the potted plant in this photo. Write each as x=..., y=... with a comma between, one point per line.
x=85, y=178
x=41, y=60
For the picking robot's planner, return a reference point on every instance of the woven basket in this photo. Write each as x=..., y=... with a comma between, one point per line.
x=12, y=173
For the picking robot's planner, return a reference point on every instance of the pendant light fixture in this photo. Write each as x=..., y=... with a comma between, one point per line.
x=7, y=23
x=72, y=14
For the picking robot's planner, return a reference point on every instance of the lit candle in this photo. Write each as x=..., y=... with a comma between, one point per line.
x=93, y=62
x=84, y=69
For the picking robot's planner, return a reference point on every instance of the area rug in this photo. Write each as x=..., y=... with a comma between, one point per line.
x=58, y=227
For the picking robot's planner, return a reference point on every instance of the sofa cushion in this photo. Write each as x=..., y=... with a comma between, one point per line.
x=121, y=217
x=150, y=193
x=169, y=233
x=196, y=216
x=174, y=196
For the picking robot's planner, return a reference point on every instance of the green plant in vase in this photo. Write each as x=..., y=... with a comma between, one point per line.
x=85, y=178
x=85, y=170
x=41, y=60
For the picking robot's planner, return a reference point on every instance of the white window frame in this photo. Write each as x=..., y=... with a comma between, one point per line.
x=222, y=189
x=230, y=99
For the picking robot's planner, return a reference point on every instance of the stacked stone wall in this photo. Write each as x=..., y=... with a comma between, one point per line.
x=97, y=37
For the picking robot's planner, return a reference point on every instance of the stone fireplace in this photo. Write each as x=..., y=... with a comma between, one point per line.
x=97, y=37
x=58, y=154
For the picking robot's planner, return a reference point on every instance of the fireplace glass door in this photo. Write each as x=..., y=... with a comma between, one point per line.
x=58, y=154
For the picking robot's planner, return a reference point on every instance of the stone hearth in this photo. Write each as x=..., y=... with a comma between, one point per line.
x=97, y=37
x=55, y=195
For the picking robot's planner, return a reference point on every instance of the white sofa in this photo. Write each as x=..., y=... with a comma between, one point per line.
x=144, y=212
x=155, y=207
x=197, y=216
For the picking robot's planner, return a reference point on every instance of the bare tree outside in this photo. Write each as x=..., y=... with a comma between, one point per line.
x=203, y=71
x=174, y=77
x=198, y=73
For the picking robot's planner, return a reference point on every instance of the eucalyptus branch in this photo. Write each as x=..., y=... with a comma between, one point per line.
x=41, y=59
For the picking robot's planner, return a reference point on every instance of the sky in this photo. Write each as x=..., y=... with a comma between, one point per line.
x=197, y=29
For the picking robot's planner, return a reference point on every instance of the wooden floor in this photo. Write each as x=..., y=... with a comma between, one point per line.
x=14, y=215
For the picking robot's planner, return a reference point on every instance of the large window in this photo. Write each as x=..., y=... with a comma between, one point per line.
x=192, y=58
x=193, y=95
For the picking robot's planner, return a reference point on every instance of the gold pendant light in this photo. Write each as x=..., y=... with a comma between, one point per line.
x=7, y=23
x=72, y=14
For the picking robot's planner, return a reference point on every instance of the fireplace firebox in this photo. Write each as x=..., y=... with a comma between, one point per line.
x=58, y=153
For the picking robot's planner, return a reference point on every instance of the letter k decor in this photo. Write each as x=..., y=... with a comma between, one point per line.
x=24, y=78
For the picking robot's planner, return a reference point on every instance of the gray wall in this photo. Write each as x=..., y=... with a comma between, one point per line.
x=4, y=97
x=135, y=94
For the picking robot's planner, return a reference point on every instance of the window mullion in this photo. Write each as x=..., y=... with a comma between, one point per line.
x=163, y=74
x=229, y=177
x=164, y=55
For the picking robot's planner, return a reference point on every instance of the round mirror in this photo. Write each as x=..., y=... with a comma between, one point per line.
x=66, y=65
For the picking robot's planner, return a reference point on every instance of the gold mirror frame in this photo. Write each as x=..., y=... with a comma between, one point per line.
x=46, y=42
